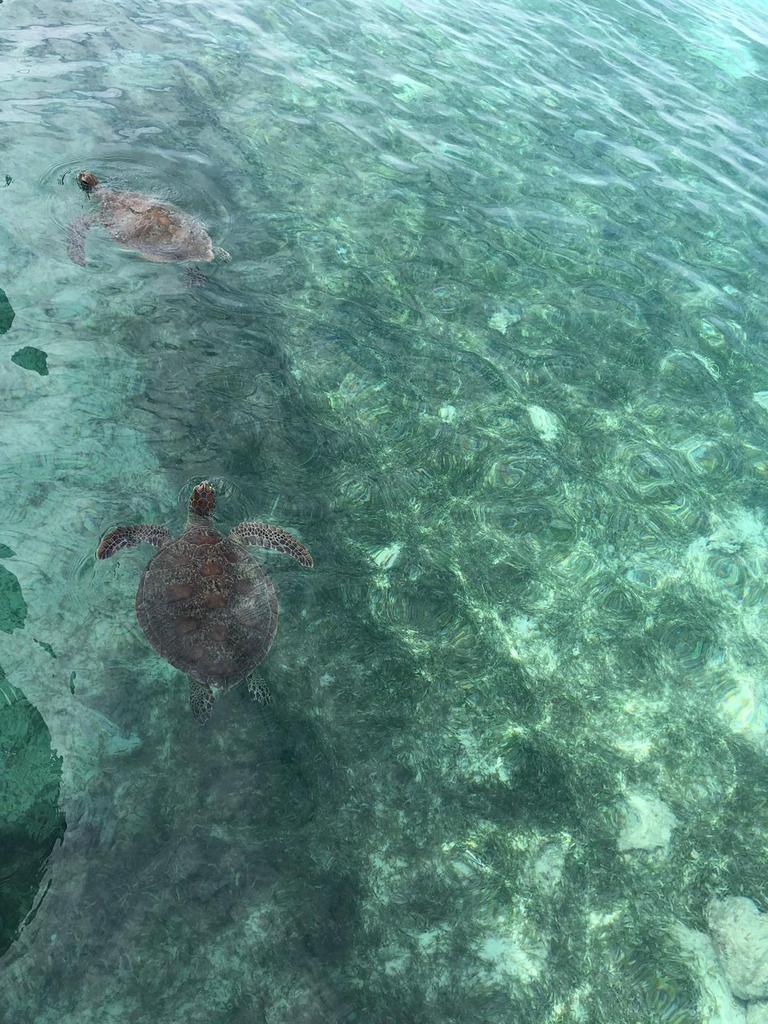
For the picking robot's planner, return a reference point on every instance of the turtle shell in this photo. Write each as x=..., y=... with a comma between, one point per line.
x=159, y=231
x=207, y=608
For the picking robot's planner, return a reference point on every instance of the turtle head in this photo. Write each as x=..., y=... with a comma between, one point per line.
x=203, y=500
x=87, y=181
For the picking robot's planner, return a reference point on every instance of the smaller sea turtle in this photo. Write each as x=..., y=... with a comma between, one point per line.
x=203, y=603
x=158, y=231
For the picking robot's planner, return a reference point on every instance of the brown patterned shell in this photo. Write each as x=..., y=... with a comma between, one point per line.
x=207, y=608
x=159, y=231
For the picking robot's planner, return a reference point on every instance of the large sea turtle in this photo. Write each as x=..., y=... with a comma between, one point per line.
x=158, y=231
x=203, y=603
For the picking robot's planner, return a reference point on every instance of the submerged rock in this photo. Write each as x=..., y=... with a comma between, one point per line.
x=29, y=358
x=13, y=607
x=757, y=1013
x=717, y=1003
x=740, y=936
x=648, y=824
x=386, y=557
x=6, y=313
x=544, y=423
x=31, y=820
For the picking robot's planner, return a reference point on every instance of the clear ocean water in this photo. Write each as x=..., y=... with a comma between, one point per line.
x=493, y=343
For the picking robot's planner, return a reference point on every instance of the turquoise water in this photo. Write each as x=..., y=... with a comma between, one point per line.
x=494, y=344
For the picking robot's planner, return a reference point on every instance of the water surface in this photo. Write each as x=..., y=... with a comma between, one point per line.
x=494, y=344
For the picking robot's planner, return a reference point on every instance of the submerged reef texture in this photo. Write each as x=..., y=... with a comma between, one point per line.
x=494, y=344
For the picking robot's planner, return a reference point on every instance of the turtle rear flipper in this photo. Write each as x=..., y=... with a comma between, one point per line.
x=130, y=536
x=78, y=229
x=258, y=689
x=200, y=700
x=273, y=538
x=196, y=278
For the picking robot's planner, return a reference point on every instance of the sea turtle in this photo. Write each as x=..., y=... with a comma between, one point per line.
x=203, y=603
x=158, y=231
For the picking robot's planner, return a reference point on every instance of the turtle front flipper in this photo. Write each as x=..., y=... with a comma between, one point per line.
x=200, y=700
x=78, y=229
x=130, y=536
x=273, y=539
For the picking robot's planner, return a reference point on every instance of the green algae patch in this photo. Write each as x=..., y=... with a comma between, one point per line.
x=6, y=313
x=29, y=358
x=30, y=819
x=13, y=607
